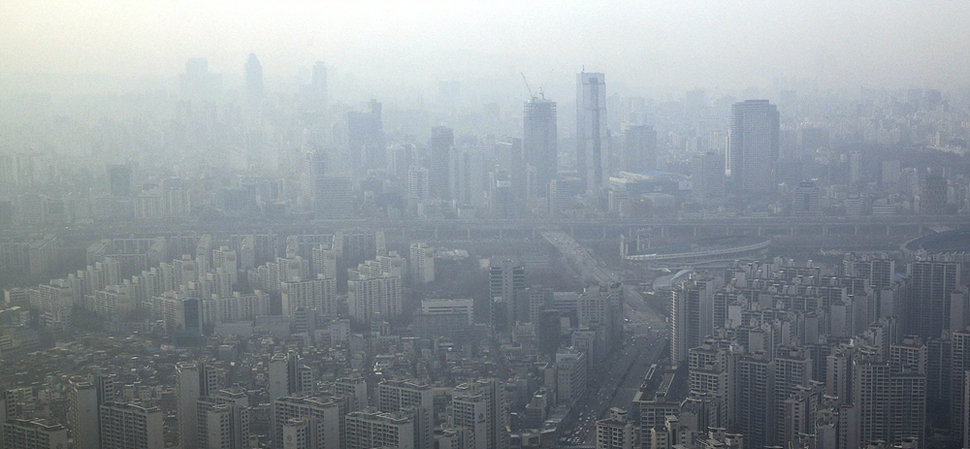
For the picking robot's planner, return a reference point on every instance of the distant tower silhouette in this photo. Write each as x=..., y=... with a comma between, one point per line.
x=592, y=160
x=539, y=141
x=319, y=85
x=254, y=81
x=754, y=146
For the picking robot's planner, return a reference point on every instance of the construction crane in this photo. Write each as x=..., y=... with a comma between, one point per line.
x=532, y=96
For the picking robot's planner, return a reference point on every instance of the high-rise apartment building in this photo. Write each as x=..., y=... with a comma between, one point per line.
x=539, y=142
x=792, y=371
x=708, y=377
x=372, y=292
x=318, y=421
x=415, y=399
x=421, y=263
x=224, y=420
x=593, y=162
x=192, y=381
x=35, y=434
x=131, y=426
x=84, y=415
x=373, y=429
x=931, y=285
x=753, y=385
x=753, y=149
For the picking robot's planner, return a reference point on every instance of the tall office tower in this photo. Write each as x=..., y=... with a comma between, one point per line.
x=505, y=279
x=615, y=432
x=639, y=149
x=36, y=434
x=571, y=374
x=421, y=263
x=318, y=85
x=334, y=198
x=707, y=176
x=550, y=333
x=254, y=81
x=592, y=148
x=806, y=200
x=754, y=146
x=354, y=389
x=501, y=195
x=439, y=163
x=319, y=295
x=753, y=385
x=931, y=285
x=481, y=407
x=119, y=180
x=932, y=195
x=372, y=293
x=131, y=426
x=365, y=135
x=692, y=310
x=415, y=399
x=321, y=420
x=224, y=420
x=539, y=142
x=792, y=371
x=708, y=377
x=197, y=85
x=192, y=381
x=373, y=429
x=85, y=428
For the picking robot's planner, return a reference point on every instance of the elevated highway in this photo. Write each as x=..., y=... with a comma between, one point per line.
x=485, y=230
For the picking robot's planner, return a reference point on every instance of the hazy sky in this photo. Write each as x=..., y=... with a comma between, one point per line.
x=671, y=44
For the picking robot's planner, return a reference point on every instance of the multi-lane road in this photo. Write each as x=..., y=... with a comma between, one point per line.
x=643, y=346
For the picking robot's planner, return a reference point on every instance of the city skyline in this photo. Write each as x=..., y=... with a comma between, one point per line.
x=659, y=46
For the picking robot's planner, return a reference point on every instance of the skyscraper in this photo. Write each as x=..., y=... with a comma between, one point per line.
x=318, y=85
x=365, y=137
x=254, y=81
x=439, y=165
x=505, y=278
x=639, y=148
x=592, y=152
x=754, y=146
x=539, y=141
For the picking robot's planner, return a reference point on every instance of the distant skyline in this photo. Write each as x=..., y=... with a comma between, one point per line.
x=387, y=48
